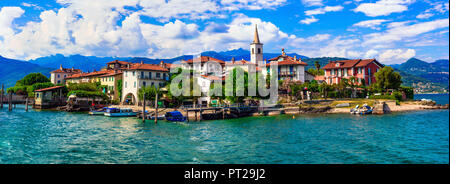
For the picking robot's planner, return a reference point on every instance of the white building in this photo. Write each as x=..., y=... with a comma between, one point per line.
x=205, y=65
x=138, y=75
x=59, y=76
x=288, y=67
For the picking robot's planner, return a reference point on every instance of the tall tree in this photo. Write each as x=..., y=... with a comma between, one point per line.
x=387, y=78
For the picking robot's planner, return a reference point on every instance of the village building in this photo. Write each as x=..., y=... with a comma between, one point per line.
x=288, y=67
x=90, y=77
x=205, y=83
x=138, y=75
x=362, y=69
x=205, y=65
x=59, y=76
x=110, y=80
x=49, y=97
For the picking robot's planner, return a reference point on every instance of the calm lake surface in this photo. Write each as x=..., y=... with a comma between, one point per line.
x=61, y=137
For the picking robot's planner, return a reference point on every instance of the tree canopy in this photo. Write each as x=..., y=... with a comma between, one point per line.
x=387, y=78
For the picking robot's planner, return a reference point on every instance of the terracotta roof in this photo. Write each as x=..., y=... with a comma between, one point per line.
x=241, y=62
x=79, y=75
x=212, y=77
x=140, y=66
x=349, y=63
x=66, y=70
x=287, y=60
x=204, y=59
x=117, y=61
x=48, y=89
x=366, y=62
x=111, y=74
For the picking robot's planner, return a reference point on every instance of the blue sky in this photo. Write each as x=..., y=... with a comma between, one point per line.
x=391, y=31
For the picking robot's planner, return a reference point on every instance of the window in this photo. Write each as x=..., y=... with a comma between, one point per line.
x=253, y=50
x=126, y=72
x=149, y=75
x=65, y=75
x=134, y=84
x=259, y=50
x=142, y=75
x=125, y=84
x=153, y=84
x=164, y=75
x=345, y=72
x=58, y=76
x=59, y=81
x=144, y=83
x=158, y=75
x=332, y=71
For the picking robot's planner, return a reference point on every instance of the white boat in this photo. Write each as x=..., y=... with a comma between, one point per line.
x=115, y=112
x=98, y=112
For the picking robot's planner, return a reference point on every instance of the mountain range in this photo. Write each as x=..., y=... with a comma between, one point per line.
x=11, y=70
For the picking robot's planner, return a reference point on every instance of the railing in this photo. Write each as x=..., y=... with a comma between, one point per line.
x=288, y=73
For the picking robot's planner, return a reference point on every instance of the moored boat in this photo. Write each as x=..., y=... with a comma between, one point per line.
x=98, y=112
x=117, y=112
x=175, y=116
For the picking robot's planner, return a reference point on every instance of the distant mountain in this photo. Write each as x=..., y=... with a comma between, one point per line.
x=322, y=61
x=437, y=72
x=12, y=70
x=85, y=63
x=89, y=63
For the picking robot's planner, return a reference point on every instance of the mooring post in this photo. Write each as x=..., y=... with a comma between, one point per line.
x=201, y=111
x=1, y=98
x=10, y=102
x=187, y=114
x=26, y=104
x=156, y=108
x=143, y=108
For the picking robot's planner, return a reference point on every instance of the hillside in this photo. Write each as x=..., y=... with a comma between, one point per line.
x=436, y=72
x=12, y=70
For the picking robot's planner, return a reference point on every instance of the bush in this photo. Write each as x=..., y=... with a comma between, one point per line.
x=83, y=86
x=397, y=96
x=82, y=93
x=387, y=97
x=409, y=92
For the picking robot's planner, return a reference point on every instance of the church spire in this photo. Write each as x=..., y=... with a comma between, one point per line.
x=256, y=39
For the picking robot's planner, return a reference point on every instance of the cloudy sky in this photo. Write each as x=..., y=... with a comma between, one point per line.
x=389, y=30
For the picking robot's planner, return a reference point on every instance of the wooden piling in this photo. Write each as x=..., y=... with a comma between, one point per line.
x=187, y=114
x=143, y=109
x=1, y=97
x=10, y=102
x=201, y=111
x=156, y=108
x=26, y=104
x=223, y=113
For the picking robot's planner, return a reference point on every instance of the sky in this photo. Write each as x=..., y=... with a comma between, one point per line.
x=391, y=31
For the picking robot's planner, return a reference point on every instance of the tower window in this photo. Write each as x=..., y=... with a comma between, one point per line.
x=253, y=50
x=259, y=50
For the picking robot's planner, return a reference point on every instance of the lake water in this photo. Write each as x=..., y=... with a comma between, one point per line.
x=61, y=137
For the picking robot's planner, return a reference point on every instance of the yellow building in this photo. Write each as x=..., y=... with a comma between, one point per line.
x=111, y=81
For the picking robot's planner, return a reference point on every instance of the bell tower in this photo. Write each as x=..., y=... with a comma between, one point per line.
x=256, y=49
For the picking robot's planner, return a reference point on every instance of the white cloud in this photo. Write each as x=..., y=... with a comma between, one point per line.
x=252, y=4
x=373, y=24
x=323, y=10
x=309, y=20
x=371, y=53
x=312, y=2
x=424, y=15
x=400, y=31
x=396, y=56
x=7, y=15
x=383, y=7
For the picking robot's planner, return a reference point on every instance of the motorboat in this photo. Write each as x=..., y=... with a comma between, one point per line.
x=98, y=111
x=175, y=116
x=118, y=112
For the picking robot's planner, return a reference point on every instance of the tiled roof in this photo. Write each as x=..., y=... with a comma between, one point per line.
x=287, y=60
x=204, y=59
x=117, y=61
x=241, y=62
x=141, y=66
x=48, y=89
x=111, y=74
x=349, y=63
x=79, y=75
x=66, y=70
x=212, y=77
x=366, y=62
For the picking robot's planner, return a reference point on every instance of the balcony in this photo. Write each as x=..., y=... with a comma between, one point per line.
x=293, y=73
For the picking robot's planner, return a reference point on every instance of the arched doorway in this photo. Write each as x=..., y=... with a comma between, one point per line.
x=129, y=99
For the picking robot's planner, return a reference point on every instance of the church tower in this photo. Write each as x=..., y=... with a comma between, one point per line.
x=256, y=49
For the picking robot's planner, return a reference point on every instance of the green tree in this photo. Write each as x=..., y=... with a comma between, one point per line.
x=31, y=79
x=386, y=79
